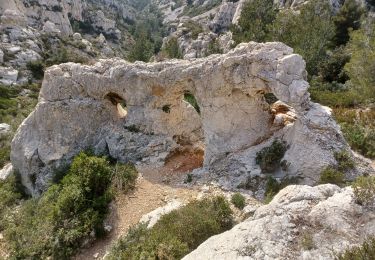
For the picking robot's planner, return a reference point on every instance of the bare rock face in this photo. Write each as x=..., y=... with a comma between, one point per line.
x=301, y=222
x=82, y=107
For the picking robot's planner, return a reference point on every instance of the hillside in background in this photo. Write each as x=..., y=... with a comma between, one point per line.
x=187, y=129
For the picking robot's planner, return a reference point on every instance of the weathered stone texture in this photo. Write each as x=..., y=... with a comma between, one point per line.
x=301, y=222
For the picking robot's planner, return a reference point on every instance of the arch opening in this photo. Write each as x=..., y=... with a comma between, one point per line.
x=119, y=102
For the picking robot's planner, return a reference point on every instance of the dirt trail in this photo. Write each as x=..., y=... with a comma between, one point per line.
x=154, y=188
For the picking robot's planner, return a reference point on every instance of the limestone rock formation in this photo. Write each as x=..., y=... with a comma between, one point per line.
x=301, y=222
x=6, y=171
x=154, y=216
x=80, y=108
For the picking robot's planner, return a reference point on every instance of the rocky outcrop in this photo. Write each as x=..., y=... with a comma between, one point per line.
x=154, y=216
x=80, y=107
x=301, y=222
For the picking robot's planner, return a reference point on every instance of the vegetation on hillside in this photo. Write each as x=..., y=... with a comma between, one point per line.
x=339, y=50
x=68, y=213
x=14, y=108
x=148, y=32
x=177, y=233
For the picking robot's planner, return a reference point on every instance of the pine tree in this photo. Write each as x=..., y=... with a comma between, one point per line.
x=348, y=18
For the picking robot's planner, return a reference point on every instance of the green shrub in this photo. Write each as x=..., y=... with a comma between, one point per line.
x=344, y=161
x=238, y=200
x=189, y=178
x=9, y=194
x=364, y=252
x=269, y=158
x=364, y=190
x=358, y=127
x=4, y=154
x=332, y=68
x=345, y=98
x=62, y=55
x=347, y=19
x=142, y=49
x=177, y=233
x=307, y=241
x=56, y=224
x=331, y=175
x=213, y=48
x=172, y=49
x=124, y=177
x=273, y=186
x=194, y=28
x=361, y=66
x=36, y=68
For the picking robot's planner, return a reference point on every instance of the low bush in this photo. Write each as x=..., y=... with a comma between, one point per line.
x=172, y=49
x=358, y=127
x=269, y=158
x=124, y=177
x=364, y=190
x=177, y=233
x=14, y=108
x=273, y=186
x=9, y=195
x=307, y=241
x=331, y=175
x=344, y=161
x=55, y=225
x=238, y=200
x=194, y=28
x=4, y=154
x=37, y=68
x=213, y=48
x=364, y=252
x=255, y=21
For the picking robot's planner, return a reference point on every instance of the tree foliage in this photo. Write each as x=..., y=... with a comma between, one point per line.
x=361, y=67
x=253, y=25
x=347, y=19
x=308, y=32
x=172, y=49
x=55, y=225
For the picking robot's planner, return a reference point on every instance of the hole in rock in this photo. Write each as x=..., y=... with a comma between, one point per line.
x=190, y=98
x=270, y=98
x=119, y=102
x=166, y=109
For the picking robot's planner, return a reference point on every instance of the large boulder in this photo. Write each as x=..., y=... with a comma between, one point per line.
x=301, y=222
x=80, y=108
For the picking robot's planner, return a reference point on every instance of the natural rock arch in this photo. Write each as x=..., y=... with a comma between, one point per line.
x=75, y=112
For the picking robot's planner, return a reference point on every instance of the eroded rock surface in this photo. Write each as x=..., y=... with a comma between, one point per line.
x=301, y=222
x=79, y=109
